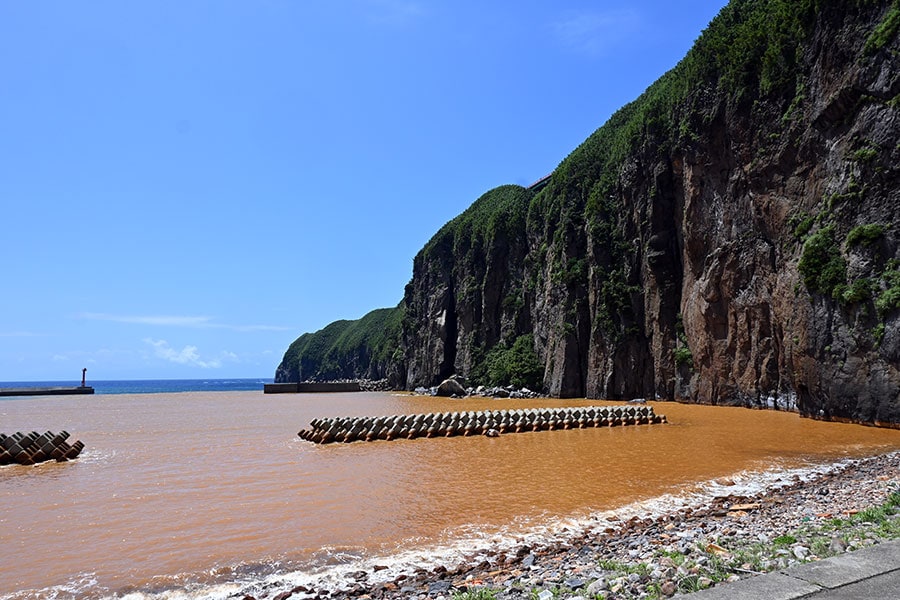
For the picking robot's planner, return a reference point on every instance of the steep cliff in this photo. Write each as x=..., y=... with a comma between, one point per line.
x=467, y=291
x=665, y=257
x=730, y=237
x=366, y=348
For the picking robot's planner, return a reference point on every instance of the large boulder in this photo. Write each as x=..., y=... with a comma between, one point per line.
x=451, y=387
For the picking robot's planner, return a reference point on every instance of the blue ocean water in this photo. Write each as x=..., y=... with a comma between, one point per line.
x=152, y=386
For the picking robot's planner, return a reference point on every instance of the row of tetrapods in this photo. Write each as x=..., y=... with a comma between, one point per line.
x=491, y=423
x=31, y=448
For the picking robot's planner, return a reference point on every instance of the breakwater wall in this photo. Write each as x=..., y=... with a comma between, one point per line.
x=488, y=422
x=47, y=391
x=311, y=388
x=31, y=448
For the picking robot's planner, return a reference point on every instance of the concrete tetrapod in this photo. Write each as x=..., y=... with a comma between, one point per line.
x=31, y=448
x=493, y=423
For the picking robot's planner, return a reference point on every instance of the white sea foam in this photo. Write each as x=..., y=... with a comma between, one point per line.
x=82, y=585
x=474, y=544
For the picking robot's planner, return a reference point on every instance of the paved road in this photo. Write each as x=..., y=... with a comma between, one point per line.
x=870, y=574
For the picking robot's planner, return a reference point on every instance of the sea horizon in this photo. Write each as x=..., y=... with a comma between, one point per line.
x=153, y=386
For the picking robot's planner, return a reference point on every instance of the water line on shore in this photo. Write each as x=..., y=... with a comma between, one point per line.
x=478, y=545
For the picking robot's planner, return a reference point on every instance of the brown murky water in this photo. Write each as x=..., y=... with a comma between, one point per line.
x=187, y=491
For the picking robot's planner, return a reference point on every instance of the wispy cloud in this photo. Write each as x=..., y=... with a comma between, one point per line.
x=186, y=356
x=394, y=12
x=595, y=32
x=168, y=320
x=198, y=322
x=21, y=334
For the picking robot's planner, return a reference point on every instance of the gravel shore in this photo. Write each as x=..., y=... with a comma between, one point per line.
x=849, y=505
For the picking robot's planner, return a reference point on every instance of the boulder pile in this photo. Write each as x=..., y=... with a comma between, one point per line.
x=455, y=388
x=31, y=448
x=489, y=422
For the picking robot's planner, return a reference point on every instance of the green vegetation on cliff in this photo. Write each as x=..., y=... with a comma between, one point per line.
x=822, y=265
x=499, y=212
x=516, y=365
x=361, y=348
x=886, y=30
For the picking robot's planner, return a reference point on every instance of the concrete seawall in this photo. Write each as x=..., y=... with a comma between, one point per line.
x=490, y=423
x=311, y=388
x=47, y=391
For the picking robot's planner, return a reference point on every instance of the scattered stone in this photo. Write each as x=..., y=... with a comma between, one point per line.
x=837, y=545
x=597, y=586
x=437, y=587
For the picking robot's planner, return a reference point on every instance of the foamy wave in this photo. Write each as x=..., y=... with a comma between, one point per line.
x=92, y=456
x=475, y=543
x=79, y=587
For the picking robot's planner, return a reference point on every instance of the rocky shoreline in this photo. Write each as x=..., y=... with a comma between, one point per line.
x=847, y=505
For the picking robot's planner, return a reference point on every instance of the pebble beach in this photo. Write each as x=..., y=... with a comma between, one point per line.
x=838, y=508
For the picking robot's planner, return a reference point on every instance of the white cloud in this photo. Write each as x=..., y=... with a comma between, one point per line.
x=198, y=322
x=60, y=357
x=186, y=356
x=595, y=33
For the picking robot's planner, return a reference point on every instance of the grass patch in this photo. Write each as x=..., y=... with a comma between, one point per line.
x=865, y=235
x=801, y=224
x=479, y=594
x=885, y=31
x=865, y=154
x=784, y=540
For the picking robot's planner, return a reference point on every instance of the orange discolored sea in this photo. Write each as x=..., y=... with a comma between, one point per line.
x=212, y=494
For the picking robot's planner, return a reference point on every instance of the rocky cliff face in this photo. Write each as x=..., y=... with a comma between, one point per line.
x=729, y=237
x=467, y=291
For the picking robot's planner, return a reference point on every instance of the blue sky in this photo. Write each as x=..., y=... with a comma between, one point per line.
x=186, y=187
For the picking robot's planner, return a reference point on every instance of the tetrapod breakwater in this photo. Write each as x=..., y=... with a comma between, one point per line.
x=488, y=422
x=33, y=447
